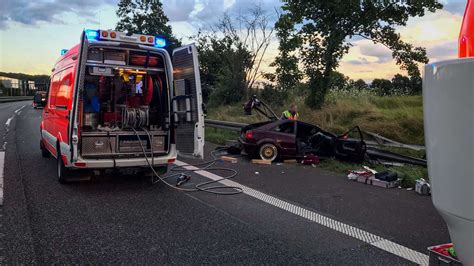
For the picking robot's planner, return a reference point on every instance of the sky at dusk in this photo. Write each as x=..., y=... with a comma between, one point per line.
x=32, y=33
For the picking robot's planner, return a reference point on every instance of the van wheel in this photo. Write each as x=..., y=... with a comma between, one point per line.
x=268, y=151
x=61, y=170
x=44, y=152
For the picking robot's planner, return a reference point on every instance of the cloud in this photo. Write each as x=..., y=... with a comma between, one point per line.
x=210, y=11
x=178, y=10
x=443, y=51
x=382, y=53
x=31, y=12
x=456, y=7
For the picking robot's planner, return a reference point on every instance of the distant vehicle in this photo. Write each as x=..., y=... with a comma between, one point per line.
x=120, y=100
x=39, y=100
x=293, y=139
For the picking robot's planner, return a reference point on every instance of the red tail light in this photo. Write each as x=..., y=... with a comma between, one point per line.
x=249, y=134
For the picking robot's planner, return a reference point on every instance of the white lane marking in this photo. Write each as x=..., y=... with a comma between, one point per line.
x=372, y=239
x=19, y=109
x=9, y=120
x=2, y=163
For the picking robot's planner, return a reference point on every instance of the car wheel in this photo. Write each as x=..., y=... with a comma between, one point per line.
x=61, y=170
x=268, y=151
x=44, y=152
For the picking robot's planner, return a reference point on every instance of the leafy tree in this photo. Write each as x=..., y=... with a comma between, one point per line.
x=359, y=84
x=416, y=84
x=287, y=72
x=146, y=17
x=321, y=31
x=223, y=63
x=383, y=86
x=402, y=84
x=338, y=81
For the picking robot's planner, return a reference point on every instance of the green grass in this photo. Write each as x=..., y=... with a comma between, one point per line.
x=220, y=136
x=396, y=117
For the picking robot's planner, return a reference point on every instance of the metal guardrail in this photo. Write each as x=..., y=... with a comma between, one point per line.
x=379, y=140
x=7, y=99
x=234, y=126
x=372, y=152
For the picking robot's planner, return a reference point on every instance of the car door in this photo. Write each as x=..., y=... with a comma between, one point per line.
x=188, y=115
x=74, y=118
x=284, y=136
x=63, y=103
x=350, y=146
x=49, y=112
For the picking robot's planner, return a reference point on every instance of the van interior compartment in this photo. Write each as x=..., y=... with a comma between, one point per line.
x=123, y=101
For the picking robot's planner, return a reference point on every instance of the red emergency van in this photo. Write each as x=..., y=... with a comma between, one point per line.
x=120, y=100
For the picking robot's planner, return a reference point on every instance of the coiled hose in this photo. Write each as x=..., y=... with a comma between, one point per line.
x=207, y=165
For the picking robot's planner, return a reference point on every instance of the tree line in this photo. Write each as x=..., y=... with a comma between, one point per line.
x=313, y=37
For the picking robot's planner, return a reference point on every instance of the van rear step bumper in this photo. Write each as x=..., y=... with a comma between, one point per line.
x=129, y=162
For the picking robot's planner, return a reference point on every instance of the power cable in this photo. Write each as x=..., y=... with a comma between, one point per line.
x=207, y=165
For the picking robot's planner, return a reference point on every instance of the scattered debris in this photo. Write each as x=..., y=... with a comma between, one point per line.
x=229, y=159
x=353, y=175
x=385, y=184
x=370, y=169
x=422, y=187
x=391, y=163
x=257, y=173
x=258, y=161
x=386, y=176
x=182, y=178
x=310, y=159
x=410, y=189
x=370, y=176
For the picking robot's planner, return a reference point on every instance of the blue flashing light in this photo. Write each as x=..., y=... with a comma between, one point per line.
x=92, y=35
x=64, y=51
x=160, y=42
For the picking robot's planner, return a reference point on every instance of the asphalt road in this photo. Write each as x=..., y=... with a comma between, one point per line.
x=124, y=219
x=7, y=111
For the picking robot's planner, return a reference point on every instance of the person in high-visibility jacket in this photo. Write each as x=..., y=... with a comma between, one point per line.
x=291, y=113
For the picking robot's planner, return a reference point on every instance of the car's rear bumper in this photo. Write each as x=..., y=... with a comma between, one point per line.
x=248, y=148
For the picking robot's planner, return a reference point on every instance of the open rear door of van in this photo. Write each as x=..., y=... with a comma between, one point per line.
x=188, y=115
x=78, y=83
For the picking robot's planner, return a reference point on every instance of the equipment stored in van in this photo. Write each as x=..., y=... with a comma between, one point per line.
x=112, y=94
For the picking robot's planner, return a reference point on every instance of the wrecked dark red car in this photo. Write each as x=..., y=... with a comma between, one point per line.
x=282, y=139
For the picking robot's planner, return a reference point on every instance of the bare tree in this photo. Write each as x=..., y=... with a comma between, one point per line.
x=254, y=30
x=232, y=53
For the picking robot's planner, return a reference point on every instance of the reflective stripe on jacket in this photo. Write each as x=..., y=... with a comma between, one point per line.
x=287, y=115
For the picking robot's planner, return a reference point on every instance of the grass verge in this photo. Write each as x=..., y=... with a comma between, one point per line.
x=396, y=117
x=220, y=136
